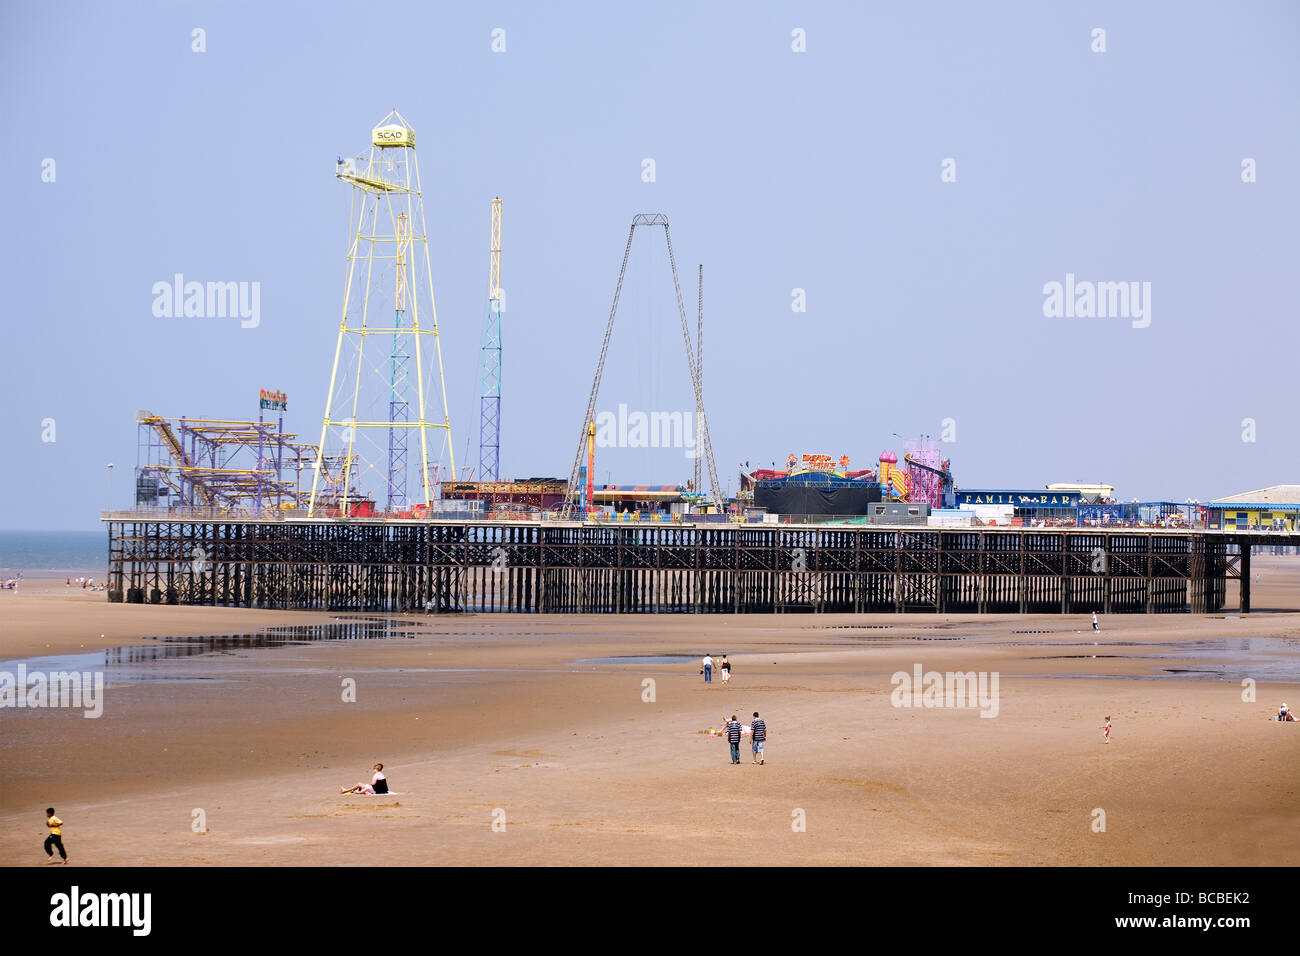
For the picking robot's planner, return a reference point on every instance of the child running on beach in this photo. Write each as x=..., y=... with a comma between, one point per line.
x=55, y=839
x=1105, y=731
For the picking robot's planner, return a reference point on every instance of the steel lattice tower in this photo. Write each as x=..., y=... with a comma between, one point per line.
x=368, y=411
x=489, y=435
x=399, y=408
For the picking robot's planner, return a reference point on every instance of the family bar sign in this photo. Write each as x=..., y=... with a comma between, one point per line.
x=1021, y=499
x=276, y=401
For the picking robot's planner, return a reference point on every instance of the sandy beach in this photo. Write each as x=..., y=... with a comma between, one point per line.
x=547, y=727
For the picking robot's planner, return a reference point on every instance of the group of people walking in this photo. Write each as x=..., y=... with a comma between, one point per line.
x=733, y=729
x=757, y=730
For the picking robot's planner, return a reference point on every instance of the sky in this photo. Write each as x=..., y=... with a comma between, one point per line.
x=880, y=194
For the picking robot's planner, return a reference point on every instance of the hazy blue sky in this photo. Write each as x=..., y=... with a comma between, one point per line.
x=780, y=170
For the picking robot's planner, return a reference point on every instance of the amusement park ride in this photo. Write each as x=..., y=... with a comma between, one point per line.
x=248, y=467
x=368, y=410
x=367, y=463
x=376, y=403
x=580, y=493
x=924, y=476
x=489, y=441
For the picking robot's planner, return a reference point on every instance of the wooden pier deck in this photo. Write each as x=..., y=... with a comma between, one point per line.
x=587, y=568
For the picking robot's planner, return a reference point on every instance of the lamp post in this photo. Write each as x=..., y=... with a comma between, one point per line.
x=108, y=506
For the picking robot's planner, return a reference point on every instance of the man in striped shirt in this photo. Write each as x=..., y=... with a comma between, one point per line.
x=733, y=736
x=759, y=730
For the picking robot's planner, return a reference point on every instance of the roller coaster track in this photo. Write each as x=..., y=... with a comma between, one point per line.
x=164, y=430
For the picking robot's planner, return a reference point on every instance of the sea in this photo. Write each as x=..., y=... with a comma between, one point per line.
x=50, y=553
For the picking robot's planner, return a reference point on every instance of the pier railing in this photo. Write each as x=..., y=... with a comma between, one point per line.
x=654, y=518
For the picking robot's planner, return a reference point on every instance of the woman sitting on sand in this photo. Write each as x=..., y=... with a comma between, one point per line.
x=745, y=729
x=378, y=784
x=1284, y=714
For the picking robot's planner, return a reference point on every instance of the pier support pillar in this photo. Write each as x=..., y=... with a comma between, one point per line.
x=1245, y=577
x=1022, y=579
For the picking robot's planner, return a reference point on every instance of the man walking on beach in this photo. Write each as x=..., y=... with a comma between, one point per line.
x=733, y=737
x=1094, y=621
x=759, y=729
x=708, y=670
x=55, y=839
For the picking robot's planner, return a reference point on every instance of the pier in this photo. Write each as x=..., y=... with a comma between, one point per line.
x=592, y=568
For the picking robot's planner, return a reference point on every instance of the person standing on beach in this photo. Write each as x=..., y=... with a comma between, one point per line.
x=708, y=669
x=1105, y=731
x=759, y=729
x=55, y=839
x=726, y=669
x=1094, y=621
x=733, y=738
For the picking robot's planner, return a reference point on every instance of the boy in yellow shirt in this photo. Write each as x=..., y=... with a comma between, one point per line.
x=55, y=839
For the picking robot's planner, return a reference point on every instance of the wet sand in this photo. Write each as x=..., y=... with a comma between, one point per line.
x=525, y=720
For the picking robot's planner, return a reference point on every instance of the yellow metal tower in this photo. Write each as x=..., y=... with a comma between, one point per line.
x=388, y=293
